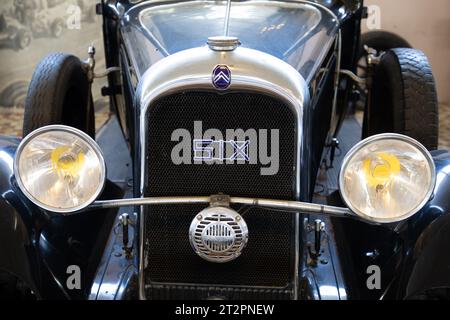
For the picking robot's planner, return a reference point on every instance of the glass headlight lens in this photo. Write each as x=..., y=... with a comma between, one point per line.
x=60, y=168
x=387, y=178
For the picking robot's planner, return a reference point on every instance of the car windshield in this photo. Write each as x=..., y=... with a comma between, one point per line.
x=291, y=31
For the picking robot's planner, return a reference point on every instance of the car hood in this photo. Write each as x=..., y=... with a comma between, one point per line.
x=299, y=33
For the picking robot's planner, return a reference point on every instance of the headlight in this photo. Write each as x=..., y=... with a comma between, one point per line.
x=60, y=168
x=387, y=178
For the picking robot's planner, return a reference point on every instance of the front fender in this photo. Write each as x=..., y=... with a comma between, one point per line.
x=431, y=259
x=38, y=246
x=17, y=254
x=428, y=257
x=413, y=255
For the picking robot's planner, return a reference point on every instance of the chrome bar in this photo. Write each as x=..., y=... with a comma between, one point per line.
x=106, y=204
x=353, y=76
x=106, y=72
x=226, y=24
x=286, y=205
x=296, y=206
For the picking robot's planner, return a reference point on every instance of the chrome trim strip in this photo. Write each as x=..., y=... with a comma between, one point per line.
x=297, y=256
x=295, y=206
x=294, y=46
x=107, y=204
x=252, y=70
x=150, y=34
x=141, y=266
x=334, y=117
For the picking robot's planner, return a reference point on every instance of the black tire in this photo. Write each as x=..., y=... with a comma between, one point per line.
x=404, y=98
x=381, y=41
x=59, y=94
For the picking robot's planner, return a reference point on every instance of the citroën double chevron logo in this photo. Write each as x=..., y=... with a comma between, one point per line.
x=221, y=77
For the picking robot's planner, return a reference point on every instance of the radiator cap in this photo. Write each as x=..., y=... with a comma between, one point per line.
x=223, y=43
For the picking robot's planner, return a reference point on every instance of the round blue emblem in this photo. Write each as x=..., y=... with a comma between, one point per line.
x=221, y=77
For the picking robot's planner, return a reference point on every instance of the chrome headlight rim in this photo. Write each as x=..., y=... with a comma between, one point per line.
x=80, y=134
x=379, y=137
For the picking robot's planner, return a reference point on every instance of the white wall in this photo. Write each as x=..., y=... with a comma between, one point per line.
x=426, y=25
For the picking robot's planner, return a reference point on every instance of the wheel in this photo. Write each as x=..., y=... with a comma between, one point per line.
x=381, y=41
x=23, y=39
x=403, y=98
x=13, y=96
x=57, y=28
x=59, y=94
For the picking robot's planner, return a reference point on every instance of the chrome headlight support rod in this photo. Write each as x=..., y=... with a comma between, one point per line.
x=286, y=205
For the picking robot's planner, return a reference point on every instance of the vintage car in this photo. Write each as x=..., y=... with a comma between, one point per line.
x=231, y=112
x=12, y=33
x=43, y=18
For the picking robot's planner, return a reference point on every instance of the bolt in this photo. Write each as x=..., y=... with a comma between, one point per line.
x=238, y=218
x=124, y=219
x=322, y=226
x=199, y=217
x=319, y=225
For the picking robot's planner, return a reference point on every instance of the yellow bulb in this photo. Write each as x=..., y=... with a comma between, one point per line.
x=65, y=162
x=381, y=170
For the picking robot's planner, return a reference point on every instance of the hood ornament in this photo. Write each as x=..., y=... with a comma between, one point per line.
x=221, y=77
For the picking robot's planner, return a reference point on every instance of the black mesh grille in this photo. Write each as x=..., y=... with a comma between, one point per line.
x=268, y=258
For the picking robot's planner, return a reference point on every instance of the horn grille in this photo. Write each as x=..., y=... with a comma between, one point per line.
x=218, y=234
